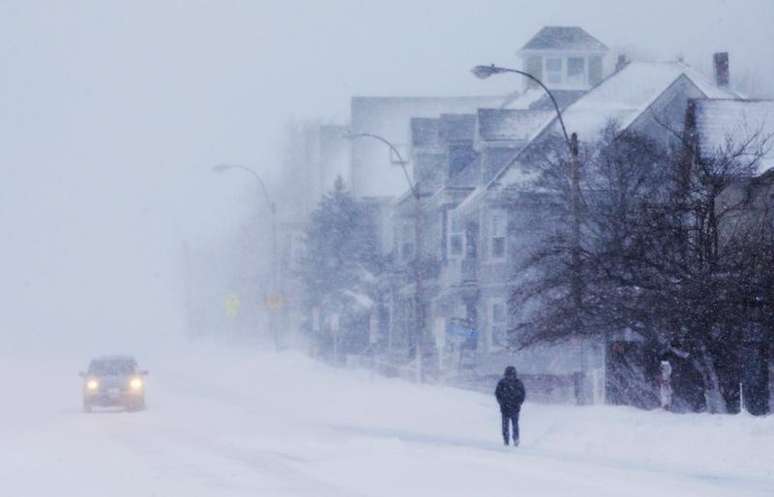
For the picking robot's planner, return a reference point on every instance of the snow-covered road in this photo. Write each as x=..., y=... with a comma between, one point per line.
x=225, y=423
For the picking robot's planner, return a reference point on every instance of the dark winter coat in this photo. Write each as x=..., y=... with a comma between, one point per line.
x=510, y=393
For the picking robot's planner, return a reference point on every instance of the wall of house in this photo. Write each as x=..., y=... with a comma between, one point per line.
x=664, y=121
x=748, y=202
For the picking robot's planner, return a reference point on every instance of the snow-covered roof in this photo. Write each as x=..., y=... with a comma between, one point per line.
x=457, y=127
x=720, y=123
x=468, y=176
x=511, y=124
x=564, y=38
x=625, y=95
x=536, y=99
x=622, y=97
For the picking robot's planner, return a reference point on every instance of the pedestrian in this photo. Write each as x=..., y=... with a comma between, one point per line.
x=510, y=395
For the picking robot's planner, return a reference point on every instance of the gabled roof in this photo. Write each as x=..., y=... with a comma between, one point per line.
x=722, y=123
x=625, y=95
x=622, y=97
x=564, y=98
x=564, y=38
x=511, y=124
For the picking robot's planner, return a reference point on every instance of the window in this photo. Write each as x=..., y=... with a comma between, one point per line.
x=499, y=323
x=471, y=240
x=534, y=66
x=407, y=242
x=498, y=236
x=456, y=238
x=576, y=70
x=554, y=70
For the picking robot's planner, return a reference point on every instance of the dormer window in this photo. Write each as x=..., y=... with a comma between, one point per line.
x=564, y=58
x=554, y=70
x=576, y=71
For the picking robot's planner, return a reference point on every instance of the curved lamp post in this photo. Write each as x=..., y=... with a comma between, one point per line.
x=418, y=227
x=484, y=72
x=222, y=168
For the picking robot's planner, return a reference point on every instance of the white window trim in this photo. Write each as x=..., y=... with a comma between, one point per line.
x=451, y=233
x=564, y=56
x=562, y=71
x=504, y=217
x=406, y=237
x=584, y=78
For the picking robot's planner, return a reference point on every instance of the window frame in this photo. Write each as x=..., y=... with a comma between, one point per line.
x=580, y=78
x=456, y=231
x=498, y=227
x=560, y=72
x=407, y=245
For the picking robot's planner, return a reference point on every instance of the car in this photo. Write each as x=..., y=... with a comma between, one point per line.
x=113, y=381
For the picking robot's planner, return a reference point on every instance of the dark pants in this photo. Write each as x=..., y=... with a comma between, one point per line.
x=510, y=418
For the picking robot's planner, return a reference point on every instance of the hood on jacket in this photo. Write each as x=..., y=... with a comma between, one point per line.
x=510, y=372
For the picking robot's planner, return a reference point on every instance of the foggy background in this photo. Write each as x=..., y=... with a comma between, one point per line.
x=111, y=116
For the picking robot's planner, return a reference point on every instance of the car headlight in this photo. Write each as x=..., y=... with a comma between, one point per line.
x=92, y=384
x=135, y=384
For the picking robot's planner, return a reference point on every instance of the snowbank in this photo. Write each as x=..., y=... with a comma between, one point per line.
x=394, y=410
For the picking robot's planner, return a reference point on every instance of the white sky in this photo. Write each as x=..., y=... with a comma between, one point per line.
x=111, y=113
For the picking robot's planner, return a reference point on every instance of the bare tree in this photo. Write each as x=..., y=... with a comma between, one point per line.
x=658, y=255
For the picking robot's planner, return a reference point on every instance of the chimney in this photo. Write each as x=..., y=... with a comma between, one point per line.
x=622, y=62
x=722, y=73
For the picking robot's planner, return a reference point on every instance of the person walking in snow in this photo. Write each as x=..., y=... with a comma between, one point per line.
x=510, y=395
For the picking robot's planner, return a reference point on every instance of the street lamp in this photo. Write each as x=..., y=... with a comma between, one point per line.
x=273, y=300
x=418, y=228
x=484, y=72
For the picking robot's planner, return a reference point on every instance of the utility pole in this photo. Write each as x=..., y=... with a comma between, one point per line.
x=576, y=283
x=419, y=308
x=274, y=301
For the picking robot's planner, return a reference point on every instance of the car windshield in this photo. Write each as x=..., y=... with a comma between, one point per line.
x=111, y=367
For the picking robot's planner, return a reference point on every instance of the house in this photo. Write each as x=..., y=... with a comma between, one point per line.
x=374, y=168
x=501, y=216
x=479, y=212
x=744, y=128
x=745, y=209
x=440, y=149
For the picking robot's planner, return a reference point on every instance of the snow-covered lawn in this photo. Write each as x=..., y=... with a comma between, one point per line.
x=236, y=423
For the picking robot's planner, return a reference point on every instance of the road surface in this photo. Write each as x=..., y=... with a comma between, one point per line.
x=222, y=423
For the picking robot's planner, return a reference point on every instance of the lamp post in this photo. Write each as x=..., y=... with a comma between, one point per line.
x=419, y=325
x=483, y=72
x=273, y=300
